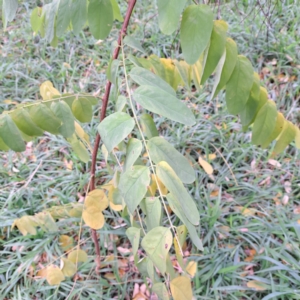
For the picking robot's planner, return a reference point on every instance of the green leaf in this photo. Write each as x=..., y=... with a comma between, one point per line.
x=63, y=112
x=160, y=290
x=169, y=14
x=239, y=85
x=36, y=19
x=185, y=72
x=121, y=103
x=181, y=288
x=195, y=31
x=133, y=186
x=248, y=113
x=287, y=135
x=82, y=109
x=64, y=15
x=79, y=15
x=161, y=102
x=22, y=119
x=169, y=178
x=49, y=11
x=225, y=71
x=10, y=134
x=115, y=128
x=79, y=149
x=100, y=17
x=133, y=151
x=148, y=126
x=153, y=211
x=157, y=244
x=161, y=150
x=264, y=123
x=177, y=209
x=280, y=121
x=9, y=9
x=112, y=71
x=133, y=43
x=133, y=235
x=116, y=11
x=44, y=118
x=3, y=146
x=144, y=77
x=216, y=48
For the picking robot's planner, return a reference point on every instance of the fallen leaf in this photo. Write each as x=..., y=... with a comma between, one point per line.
x=206, y=166
x=257, y=285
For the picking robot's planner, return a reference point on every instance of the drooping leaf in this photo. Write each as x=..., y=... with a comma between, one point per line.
x=133, y=185
x=46, y=221
x=133, y=151
x=3, y=146
x=177, y=209
x=227, y=68
x=36, y=19
x=121, y=103
x=248, y=113
x=66, y=242
x=160, y=290
x=197, y=70
x=264, y=123
x=133, y=43
x=144, y=77
x=153, y=211
x=100, y=17
x=49, y=11
x=115, y=128
x=185, y=71
x=10, y=134
x=26, y=224
x=115, y=199
x=161, y=150
x=157, y=244
x=216, y=48
x=239, y=85
x=116, y=11
x=195, y=31
x=63, y=112
x=169, y=178
x=9, y=9
x=79, y=149
x=82, y=109
x=22, y=119
x=77, y=256
x=280, y=121
x=112, y=71
x=133, y=235
x=64, y=15
x=54, y=275
x=191, y=268
x=169, y=14
x=161, y=102
x=79, y=15
x=181, y=288
x=44, y=118
x=148, y=126
x=286, y=137
x=68, y=267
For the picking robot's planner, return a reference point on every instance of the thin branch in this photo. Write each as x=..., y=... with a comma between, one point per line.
x=102, y=116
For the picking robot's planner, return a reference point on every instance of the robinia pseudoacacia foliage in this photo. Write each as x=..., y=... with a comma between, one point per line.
x=150, y=179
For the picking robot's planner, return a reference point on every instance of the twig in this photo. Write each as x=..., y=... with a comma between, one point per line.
x=102, y=116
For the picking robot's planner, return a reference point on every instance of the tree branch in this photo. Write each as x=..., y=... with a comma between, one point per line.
x=102, y=117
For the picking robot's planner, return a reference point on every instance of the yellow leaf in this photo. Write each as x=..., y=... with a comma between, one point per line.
x=178, y=253
x=191, y=268
x=96, y=201
x=108, y=185
x=66, y=242
x=206, y=166
x=113, y=206
x=77, y=256
x=42, y=273
x=257, y=285
x=163, y=189
x=153, y=186
x=95, y=220
x=47, y=90
x=54, y=275
x=68, y=267
x=181, y=288
x=297, y=137
x=26, y=224
x=211, y=156
x=245, y=211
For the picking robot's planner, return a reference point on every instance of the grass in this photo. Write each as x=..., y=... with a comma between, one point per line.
x=261, y=243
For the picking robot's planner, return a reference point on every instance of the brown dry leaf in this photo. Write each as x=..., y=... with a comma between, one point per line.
x=257, y=285
x=191, y=268
x=297, y=210
x=68, y=164
x=245, y=211
x=274, y=163
x=206, y=166
x=277, y=199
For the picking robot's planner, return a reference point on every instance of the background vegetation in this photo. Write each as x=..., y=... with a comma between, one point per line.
x=250, y=208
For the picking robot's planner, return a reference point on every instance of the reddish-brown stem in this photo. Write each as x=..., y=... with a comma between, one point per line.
x=102, y=116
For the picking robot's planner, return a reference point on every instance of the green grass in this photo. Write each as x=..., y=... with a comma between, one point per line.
x=228, y=235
